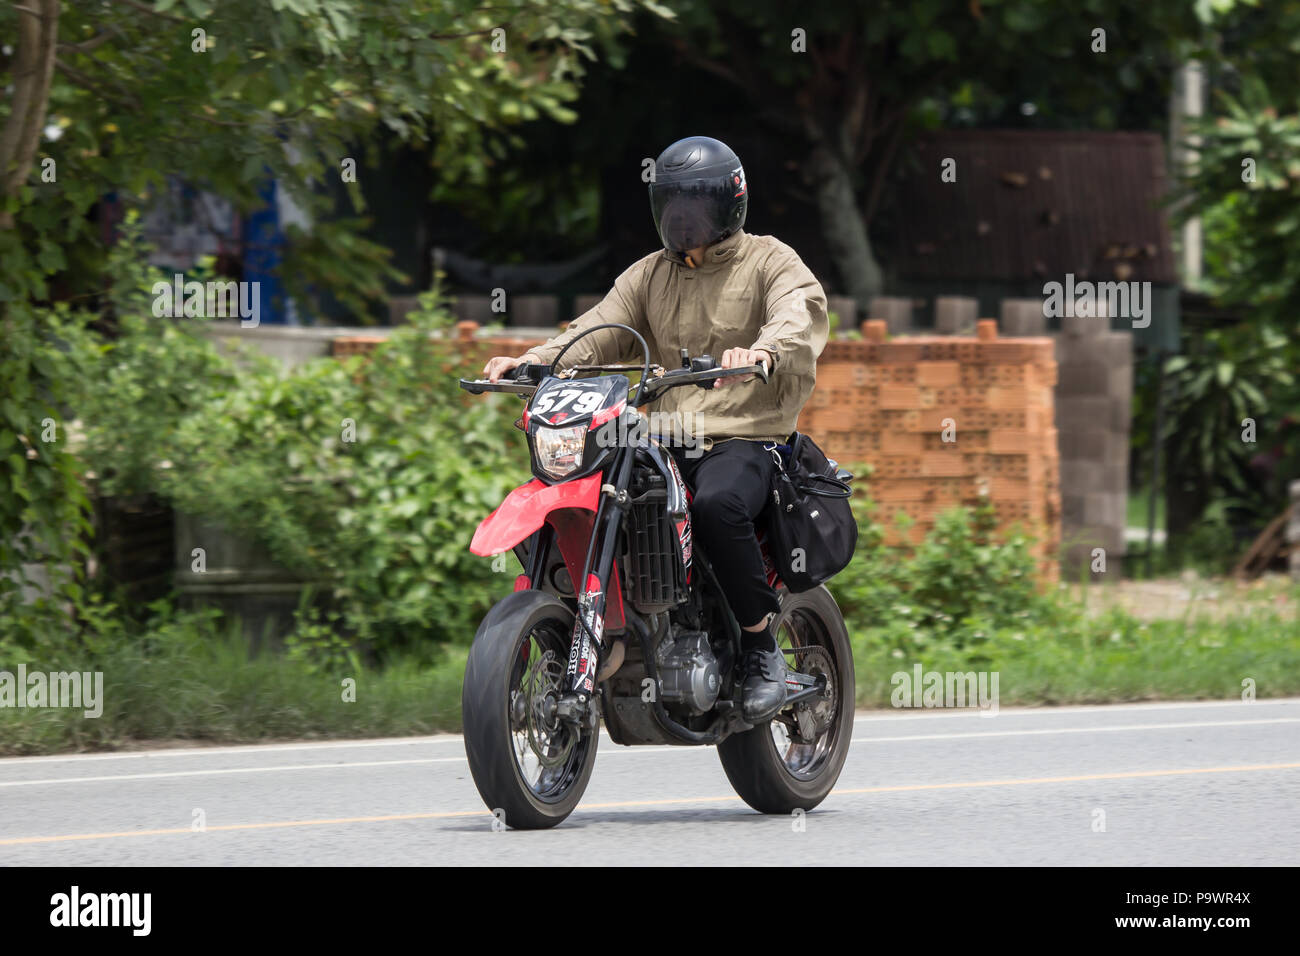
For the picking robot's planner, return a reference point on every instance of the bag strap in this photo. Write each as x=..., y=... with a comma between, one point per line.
x=841, y=488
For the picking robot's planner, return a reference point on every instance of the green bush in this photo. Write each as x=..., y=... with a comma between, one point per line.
x=961, y=582
x=367, y=476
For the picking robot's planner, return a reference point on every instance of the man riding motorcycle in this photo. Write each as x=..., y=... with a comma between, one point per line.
x=715, y=289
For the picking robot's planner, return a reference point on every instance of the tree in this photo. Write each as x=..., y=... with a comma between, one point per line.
x=847, y=81
x=226, y=93
x=111, y=97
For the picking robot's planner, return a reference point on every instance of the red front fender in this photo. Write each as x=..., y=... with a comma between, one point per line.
x=526, y=508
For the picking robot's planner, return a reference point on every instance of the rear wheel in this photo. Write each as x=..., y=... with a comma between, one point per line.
x=527, y=764
x=793, y=762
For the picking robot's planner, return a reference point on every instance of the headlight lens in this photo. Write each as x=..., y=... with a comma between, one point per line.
x=559, y=450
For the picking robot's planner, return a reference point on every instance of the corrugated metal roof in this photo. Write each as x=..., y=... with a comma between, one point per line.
x=1036, y=204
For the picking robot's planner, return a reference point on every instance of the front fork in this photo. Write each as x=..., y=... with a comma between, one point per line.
x=589, y=623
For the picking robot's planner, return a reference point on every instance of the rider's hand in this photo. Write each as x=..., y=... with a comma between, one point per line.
x=499, y=365
x=739, y=358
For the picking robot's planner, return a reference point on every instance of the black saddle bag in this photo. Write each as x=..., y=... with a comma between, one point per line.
x=811, y=531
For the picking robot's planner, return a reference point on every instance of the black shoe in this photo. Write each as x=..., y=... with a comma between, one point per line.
x=763, y=692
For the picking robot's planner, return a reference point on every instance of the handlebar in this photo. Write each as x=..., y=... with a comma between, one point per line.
x=702, y=373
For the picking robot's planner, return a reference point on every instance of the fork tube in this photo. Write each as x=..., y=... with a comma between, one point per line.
x=584, y=653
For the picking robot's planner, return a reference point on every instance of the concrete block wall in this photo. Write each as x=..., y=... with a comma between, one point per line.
x=1293, y=532
x=1093, y=410
x=1094, y=401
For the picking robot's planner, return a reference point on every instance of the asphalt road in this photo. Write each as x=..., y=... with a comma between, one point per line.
x=1172, y=784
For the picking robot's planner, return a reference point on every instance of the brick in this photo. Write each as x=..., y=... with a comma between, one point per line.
x=899, y=397
x=1035, y=397
x=1006, y=441
x=938, y=374
x=901, y=350
x=901, y=443
x=897, y=466
x=947, y=464
x=965, y=441
x=833, y=375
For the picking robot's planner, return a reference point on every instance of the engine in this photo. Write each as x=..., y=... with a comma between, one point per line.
x=689, y=675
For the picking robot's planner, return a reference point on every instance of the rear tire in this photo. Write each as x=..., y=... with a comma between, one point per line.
x=498, y=672
x=798, y=776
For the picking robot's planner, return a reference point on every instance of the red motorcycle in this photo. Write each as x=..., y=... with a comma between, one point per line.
x=617, y=616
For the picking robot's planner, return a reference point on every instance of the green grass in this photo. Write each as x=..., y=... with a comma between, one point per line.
x=1109, y=658
x=185, y=683
x=1139, y=500
x=213, y=692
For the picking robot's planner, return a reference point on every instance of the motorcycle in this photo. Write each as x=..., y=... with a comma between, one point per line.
x=618, y=616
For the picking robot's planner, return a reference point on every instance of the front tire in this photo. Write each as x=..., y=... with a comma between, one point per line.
x=532, y=770
x=793, y=762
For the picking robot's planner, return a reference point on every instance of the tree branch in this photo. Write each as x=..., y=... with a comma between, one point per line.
x=86, y=46
x=33, y=71
x=145, y=8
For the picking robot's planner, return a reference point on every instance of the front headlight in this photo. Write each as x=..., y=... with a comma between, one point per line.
x=559, y=450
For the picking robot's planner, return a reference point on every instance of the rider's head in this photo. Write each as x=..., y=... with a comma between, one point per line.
x=698, y=196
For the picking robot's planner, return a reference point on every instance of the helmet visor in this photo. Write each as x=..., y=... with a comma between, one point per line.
x=693, y=212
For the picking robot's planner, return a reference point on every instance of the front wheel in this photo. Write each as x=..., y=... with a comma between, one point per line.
x=793, y=762
x=530, y=768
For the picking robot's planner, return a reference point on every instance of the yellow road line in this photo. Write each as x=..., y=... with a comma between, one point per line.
x=667, y=801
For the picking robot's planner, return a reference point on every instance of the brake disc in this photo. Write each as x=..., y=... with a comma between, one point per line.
x=545, y=732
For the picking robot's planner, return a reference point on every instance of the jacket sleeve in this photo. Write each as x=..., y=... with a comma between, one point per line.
x=796, y=327
x=625, y=304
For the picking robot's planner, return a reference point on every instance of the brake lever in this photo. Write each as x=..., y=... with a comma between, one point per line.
x=481, y=385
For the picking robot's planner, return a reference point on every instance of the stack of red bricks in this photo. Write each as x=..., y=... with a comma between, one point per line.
x=945, y=421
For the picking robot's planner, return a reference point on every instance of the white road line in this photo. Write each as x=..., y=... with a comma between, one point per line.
x=1104, y=728
x=208, y=773
x=244, y=748
x=860, y=717
x=644, y=749
x=908, y=713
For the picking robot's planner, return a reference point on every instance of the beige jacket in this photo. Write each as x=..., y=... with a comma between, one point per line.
x=751, y=292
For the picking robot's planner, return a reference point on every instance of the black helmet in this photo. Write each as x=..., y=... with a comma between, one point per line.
x=698, y=195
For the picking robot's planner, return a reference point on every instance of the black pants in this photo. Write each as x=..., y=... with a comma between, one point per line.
x=731, y=483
